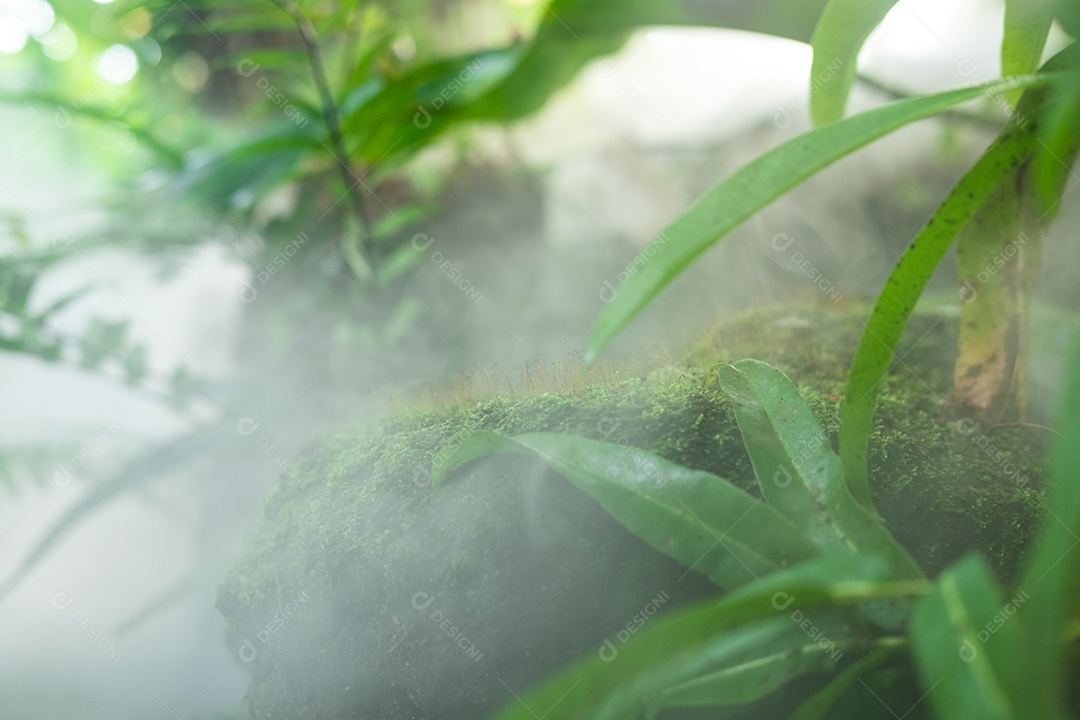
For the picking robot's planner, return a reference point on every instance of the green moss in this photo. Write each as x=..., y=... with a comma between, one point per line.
x=357, y=530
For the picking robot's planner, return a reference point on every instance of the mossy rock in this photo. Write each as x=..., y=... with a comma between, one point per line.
x=364, y=594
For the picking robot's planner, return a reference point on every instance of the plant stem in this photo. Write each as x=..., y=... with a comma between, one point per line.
x=333, y=125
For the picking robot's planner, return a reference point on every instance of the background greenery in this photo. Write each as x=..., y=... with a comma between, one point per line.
x=255, y=126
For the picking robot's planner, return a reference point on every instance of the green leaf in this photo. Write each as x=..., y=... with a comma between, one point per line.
x=1027, y=25
x=701, y=520
x=1068, y=14
x=770, y=666
x=257, y=167
x=815, y=707
x=513, y=82
x=1059, y=130
x=1053, y=579
x=905, y=285
x=969, y=646
x=687, y=643
x=754, y=186
x=839, y=35
x=796, y=467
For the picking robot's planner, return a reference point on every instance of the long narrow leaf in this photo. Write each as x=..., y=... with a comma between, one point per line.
x=1059, y=131
x=839, y=35
x=1053, y=581
x=902, y=290
x=791, y=655
x=701, y=520
x=796, y=467
x=1027, y=25
x=817, y=705
x=683, y=645
x=968, y=648
x=754, y=186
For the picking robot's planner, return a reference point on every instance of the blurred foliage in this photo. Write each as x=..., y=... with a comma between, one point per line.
x=262, y=125
x=276, y=118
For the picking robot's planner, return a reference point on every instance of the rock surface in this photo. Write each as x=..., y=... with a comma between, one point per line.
x=362, y=593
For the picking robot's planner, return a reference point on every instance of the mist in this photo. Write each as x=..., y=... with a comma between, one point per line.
x=216, y=489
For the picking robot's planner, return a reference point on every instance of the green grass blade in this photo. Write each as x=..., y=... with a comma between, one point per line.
x=683, y=645
x=968, y=649
x=902, y=290
x=798, y=471
x=839, y=35
x=754, y=186
x=701, y=520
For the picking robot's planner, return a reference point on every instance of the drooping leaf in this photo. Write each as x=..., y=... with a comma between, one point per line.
x=1013, y=147
x=687, y=643
x=754, y=186
x=797, y=470
x=701, y=520
x=969, y=647
x=875, y=352
x=838, y=37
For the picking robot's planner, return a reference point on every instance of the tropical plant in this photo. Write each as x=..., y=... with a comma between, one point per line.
x=817, y=588
x=293, y=121
x=816, y=543
x=999, y=208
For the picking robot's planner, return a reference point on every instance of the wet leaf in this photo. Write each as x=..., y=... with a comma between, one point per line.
x=797, y=470
x=701, y=520
x=752, y=187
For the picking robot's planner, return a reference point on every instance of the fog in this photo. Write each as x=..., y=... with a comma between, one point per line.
x=116, y=617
